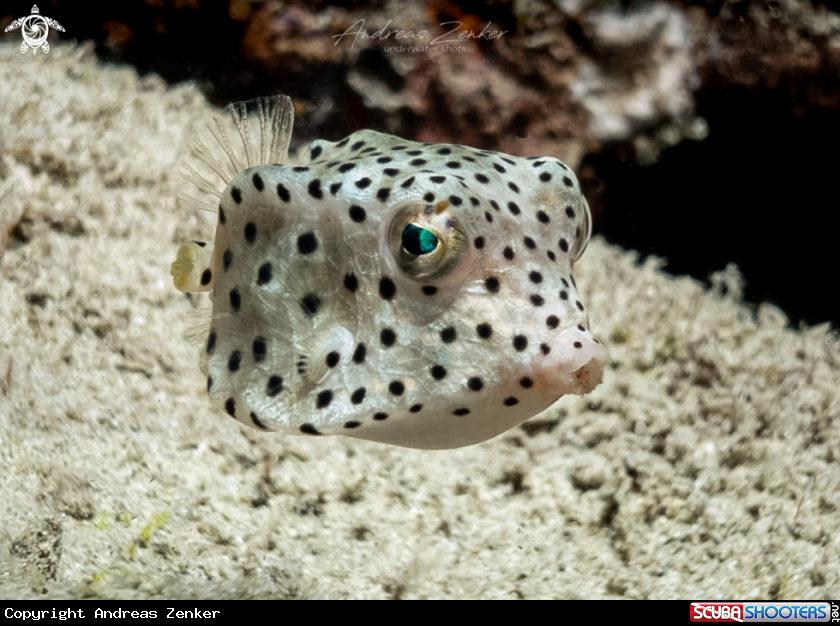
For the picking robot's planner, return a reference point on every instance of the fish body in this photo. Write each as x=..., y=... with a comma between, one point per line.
x=414, y=294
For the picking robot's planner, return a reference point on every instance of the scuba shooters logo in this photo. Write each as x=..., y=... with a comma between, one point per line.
x=35, y=30
x=783, y=612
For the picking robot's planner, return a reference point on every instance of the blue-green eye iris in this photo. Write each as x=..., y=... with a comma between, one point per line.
x=418, y=241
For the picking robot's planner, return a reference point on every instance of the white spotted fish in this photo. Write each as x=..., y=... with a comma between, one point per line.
x=414, y=294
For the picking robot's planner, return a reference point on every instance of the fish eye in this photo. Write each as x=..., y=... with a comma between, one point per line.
x=426, y=240
x=418, y=241
x=582, y=240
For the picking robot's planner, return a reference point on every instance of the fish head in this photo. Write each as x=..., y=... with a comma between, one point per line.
x=414, y=294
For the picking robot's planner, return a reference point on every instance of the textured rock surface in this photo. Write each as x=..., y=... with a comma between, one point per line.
x=564, y=77
x=705, y=466
x=794, y=46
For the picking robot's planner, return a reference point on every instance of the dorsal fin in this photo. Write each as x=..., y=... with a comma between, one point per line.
x=246, y=134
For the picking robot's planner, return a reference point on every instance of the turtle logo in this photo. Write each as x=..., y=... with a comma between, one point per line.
x=35, y=30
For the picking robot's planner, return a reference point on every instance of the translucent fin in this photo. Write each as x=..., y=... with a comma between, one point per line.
x=246, y=134
x=193, y=268
x=200, y=326
x=337, y=342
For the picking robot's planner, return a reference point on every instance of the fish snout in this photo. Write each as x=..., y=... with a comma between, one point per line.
x=574, y=365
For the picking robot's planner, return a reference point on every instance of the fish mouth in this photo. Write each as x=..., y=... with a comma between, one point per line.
x=588, y=376
x=575, y=365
